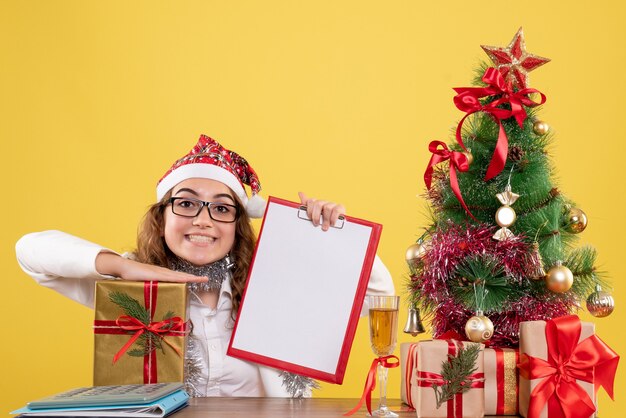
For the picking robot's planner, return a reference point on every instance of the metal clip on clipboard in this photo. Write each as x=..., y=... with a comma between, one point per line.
x=303, y=215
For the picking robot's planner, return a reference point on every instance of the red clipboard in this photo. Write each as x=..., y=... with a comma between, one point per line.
x=304, y=292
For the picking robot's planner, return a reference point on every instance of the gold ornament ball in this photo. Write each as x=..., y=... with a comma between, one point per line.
x=600, y=304
x=577, y=220
x=415, y=252
x=479, y=329
x=559, y=279
x=540, y=127
x=505, y=216
x=470, y=157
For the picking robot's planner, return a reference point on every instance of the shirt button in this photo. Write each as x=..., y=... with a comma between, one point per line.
x=212, y=347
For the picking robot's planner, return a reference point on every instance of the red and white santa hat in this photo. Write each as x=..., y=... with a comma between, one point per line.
x=209, y=160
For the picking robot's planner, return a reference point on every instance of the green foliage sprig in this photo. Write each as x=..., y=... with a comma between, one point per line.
x=130, y=306
x=456, y=373
x=148, y=341
x=485, y=275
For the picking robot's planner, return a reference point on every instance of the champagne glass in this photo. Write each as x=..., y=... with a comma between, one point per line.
x=383, y=314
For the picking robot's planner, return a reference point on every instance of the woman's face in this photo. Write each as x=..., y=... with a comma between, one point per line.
x=199, y=240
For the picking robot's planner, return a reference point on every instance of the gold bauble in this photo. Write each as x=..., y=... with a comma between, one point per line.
x=415, y=252
x=600, y=303
x=576, y=220
x=540, y=127
x=479, y=328
x=559, y=279
x=469, y=156
x=505, y=216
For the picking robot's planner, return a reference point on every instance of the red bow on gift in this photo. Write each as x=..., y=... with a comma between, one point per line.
x=467, y=100
x=159, y=329
x=458, y=161
x=591, y=361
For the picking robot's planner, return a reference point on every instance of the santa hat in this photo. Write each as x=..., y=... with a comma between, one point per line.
x=209, y=160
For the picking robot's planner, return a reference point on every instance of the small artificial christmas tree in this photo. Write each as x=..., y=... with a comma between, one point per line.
x=500, y=248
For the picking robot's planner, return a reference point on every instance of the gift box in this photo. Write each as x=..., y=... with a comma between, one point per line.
x=428, y=380
x=408, y=357
x=501, y=381
x=140, y=332
x=562, y=365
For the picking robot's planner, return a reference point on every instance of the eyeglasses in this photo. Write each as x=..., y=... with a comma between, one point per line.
x=190, y=208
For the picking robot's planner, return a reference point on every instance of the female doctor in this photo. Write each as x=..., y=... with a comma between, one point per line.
x=198, y=232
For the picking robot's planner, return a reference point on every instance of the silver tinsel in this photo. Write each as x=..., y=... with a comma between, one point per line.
x=298, y=386
x=217, y=272
x=193, y=366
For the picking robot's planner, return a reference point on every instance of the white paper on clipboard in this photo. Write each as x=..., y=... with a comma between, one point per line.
x=304, y=293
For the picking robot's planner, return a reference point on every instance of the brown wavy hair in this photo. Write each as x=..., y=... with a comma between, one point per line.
x=152, y=249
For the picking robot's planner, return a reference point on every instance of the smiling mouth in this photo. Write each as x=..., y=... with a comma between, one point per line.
x=200, y=238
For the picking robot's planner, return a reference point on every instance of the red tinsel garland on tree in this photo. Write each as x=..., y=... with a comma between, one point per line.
x=436, y=276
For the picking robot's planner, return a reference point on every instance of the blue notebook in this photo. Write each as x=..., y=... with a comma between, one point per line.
x=158, y=408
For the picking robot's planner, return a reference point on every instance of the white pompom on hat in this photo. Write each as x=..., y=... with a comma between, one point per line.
x=209, y=160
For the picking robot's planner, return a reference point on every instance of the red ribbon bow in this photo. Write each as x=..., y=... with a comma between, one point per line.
x=458, y=161
x=159, y=329
x=567, y=362
x=370, y=382
x=467, y=100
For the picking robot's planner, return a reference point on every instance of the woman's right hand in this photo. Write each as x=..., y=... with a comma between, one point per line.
x=114, y=265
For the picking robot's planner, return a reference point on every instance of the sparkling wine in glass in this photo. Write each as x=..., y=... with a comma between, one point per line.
x=383, y=316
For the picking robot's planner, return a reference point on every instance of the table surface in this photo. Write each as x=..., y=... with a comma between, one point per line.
x=281, y=408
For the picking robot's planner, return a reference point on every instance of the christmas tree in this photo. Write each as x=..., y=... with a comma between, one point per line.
x=501, y=246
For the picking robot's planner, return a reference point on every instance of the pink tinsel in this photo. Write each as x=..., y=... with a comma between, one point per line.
x=448, y=247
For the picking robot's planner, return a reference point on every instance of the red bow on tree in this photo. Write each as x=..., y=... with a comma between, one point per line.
x=591, y=361
x=458, y=161
x=467, y=100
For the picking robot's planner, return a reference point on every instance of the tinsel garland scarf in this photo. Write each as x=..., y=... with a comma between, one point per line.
x=436, y=284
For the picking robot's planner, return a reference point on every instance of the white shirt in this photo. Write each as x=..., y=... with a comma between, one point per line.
x=66, y=264
x=221, y=375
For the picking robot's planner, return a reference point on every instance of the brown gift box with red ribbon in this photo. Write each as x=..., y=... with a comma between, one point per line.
x=140, y=332
x=501, y=381
x=422, y=370
x=501, y=378
x=408, y=358
x=562, y=366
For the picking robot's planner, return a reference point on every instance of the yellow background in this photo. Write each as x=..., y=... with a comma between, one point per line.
x=336, y=98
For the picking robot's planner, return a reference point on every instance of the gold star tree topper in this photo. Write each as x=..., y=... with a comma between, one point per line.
x=513, y=62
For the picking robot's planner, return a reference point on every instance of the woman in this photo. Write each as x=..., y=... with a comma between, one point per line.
x=198, y=232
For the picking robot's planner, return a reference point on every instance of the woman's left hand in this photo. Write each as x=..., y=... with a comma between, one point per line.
x=329, y=212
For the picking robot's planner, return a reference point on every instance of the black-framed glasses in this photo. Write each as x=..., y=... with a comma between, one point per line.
x=190, y=208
